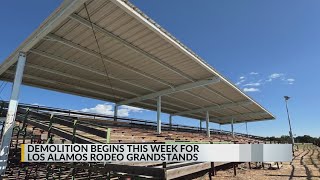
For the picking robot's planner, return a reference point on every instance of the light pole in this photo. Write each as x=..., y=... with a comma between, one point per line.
x=290, y=132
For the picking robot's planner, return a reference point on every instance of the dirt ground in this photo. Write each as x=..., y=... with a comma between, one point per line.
x=304, y=166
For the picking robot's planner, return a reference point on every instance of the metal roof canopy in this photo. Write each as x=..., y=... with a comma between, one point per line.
x=143, y=60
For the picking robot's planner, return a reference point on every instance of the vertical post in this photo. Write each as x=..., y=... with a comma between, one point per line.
x=234, y=169
x=159, y=115
x=1, y=129
x=108, y=135
x=89, y=171
x=220, y=132
x=115, y=115
x=74, y=131
x=49, y=139
x=247, y=129
x=249, y=162
x=170, y=121
x=207, y=124
x=200, y=125
x=164, y=165
x=213, y=169
x=232, y=128
x=11, y=114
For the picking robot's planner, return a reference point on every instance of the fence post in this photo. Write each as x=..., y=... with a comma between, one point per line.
x=50, y=127
x=108, y=135
x=74, y=131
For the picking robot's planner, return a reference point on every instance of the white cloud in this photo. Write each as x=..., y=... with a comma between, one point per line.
x=107, y=109
x=275, y=76
x=240, y=82
x=132, y=109
x=252, y=84
x=254, y=81
x=125, y=110
x=251, y=90
x=290, y=80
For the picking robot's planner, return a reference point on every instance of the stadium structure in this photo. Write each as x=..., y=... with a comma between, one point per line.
x=111, y=51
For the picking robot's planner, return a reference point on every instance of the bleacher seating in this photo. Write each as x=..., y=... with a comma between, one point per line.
x=36, y=125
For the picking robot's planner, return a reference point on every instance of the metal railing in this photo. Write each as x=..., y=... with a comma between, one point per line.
x=81, y=114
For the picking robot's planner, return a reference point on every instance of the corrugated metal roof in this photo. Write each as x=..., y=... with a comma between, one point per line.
x=141, y=59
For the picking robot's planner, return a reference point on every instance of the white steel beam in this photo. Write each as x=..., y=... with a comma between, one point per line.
x=159, y=115
x=207, y=124
x=215, y=107
x=11, y=114
x=183, y=87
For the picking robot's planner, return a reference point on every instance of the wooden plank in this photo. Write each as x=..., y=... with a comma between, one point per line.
x=159, y=173
x=186, y=170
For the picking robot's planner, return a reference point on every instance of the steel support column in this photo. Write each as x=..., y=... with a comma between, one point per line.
x=11, y=114
x=159, y=115
x=207, y=124
x=232, y=128
x=247, y=129
x=170, y=121
x=200, y=125
x=115, y=115
x=220, y=132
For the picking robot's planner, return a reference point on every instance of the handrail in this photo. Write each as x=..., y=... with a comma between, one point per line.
x=130, y=120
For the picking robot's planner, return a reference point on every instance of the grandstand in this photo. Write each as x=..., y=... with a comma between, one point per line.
x=35, y=124
x=109, y=50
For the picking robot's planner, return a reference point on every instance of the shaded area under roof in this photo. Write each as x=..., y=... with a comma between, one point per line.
x=143, y=61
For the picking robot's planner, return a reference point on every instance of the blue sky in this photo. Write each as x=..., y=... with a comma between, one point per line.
x=271, y=48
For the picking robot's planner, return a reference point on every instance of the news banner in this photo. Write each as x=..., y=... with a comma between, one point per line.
x=156, y=152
